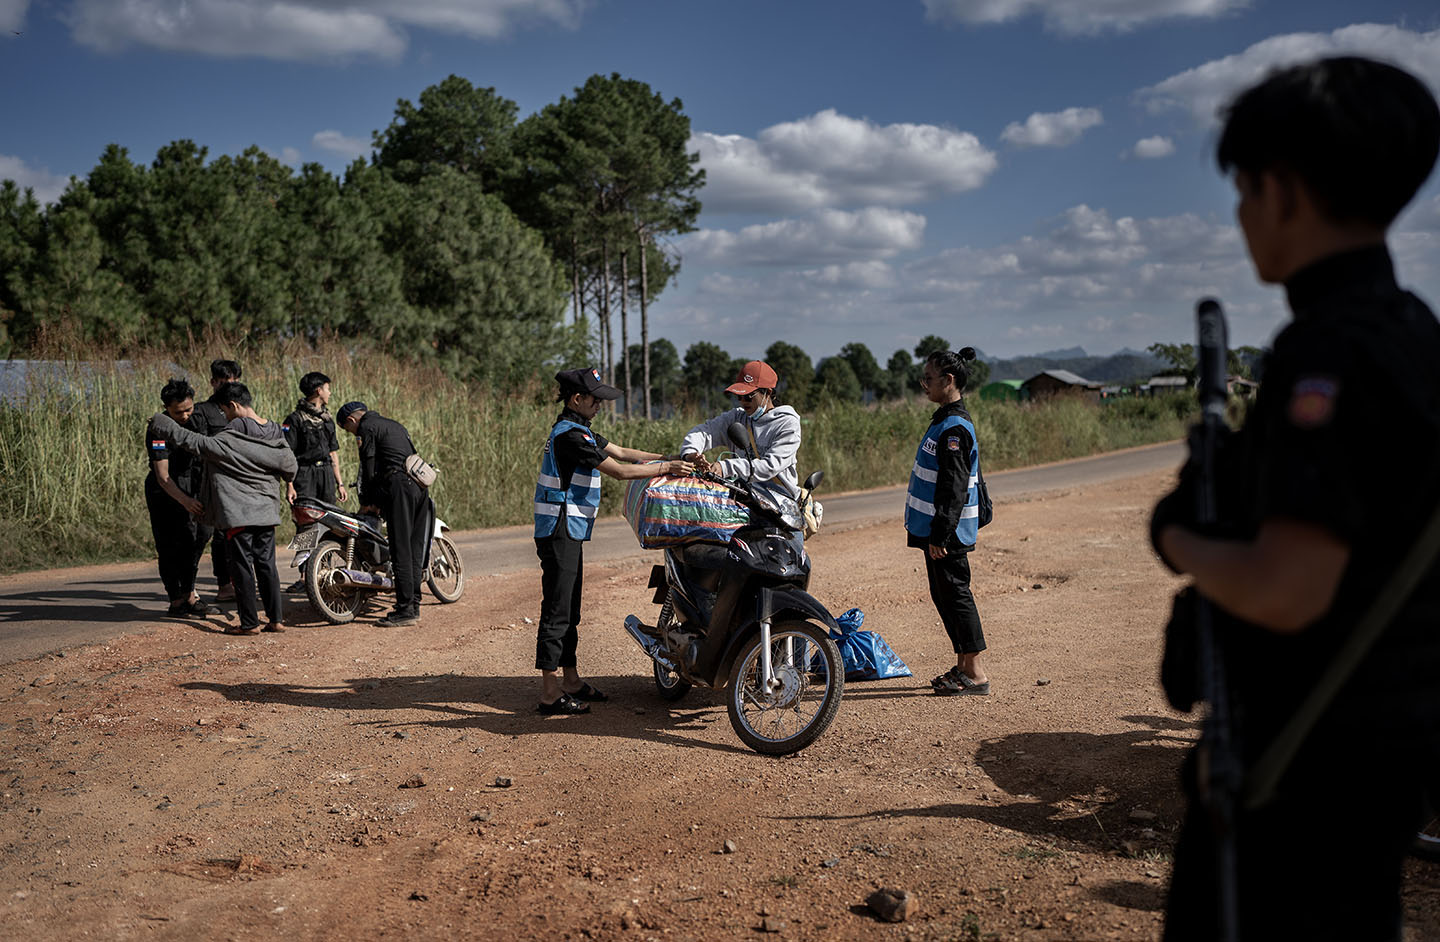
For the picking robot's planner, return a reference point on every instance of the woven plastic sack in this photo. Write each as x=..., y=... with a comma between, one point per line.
x=866, y=655
x=670, y=510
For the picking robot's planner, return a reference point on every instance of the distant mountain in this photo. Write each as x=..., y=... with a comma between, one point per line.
x=1069, y=353
x=1123, y=367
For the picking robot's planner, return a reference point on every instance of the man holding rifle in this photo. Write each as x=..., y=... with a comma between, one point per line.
x=1318, y=568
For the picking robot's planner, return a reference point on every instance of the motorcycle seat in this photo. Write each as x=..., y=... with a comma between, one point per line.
x=703, y=555
x=332, y=508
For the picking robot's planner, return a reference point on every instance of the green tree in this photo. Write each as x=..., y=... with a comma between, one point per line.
x=796, y=373
x=904, y=373
x=928, y=345
x=835, y=381
x=707, y=372
x=21, y=225
x=862, y=363
x=664, y=373
x=979, y=373
x=1180, y=356
x=456, y=125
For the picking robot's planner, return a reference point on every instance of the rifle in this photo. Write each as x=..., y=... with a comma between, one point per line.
x=1218, y=771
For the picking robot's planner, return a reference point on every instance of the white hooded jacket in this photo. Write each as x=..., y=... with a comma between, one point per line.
x=772, y=470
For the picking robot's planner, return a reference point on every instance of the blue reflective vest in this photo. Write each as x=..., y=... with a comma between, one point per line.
x=580, y=501
x=920, y=499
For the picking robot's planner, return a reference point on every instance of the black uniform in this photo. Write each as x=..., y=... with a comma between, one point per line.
x=1345, y=434
x=384, y=446
x=311, y=435
x=562, y=559
x=209, y=419
x=180, y=537
x=949, y=575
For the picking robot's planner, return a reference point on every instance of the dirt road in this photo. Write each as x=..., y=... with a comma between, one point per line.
x=176, y=783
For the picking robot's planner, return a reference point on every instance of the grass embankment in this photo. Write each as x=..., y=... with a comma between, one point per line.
x=73, y=459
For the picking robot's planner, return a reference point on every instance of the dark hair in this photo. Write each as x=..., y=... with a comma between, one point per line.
x=236, y=393
x=224, y=369
x=1361, y=135
x=953, y=362
x=566, y=391
x=177, y=390
x=311, y=382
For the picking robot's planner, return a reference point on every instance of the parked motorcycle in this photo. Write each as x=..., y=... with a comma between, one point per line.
x=344, y=558
x=739, y=617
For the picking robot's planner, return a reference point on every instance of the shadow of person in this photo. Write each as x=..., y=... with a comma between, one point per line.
x=502, y=705
x=83, y=604
x=1131, y=894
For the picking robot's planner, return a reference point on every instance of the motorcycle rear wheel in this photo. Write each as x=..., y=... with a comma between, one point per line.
x=671, y=685
x=446, y=575
x=793, y=715
x=336, y=602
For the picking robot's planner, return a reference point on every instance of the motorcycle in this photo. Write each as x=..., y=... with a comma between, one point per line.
x=344, y=559
x=738, y=617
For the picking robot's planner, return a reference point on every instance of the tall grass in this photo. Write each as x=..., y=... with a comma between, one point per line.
x=73, y=459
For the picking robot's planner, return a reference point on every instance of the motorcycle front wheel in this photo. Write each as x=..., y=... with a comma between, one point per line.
x=800, y=702
x=336, y=602
x=446, y=576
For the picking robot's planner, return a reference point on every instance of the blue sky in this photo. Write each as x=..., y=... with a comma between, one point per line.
x=1017, y=175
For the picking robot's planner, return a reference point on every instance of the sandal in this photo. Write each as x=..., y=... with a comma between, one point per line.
x=243, y=630
x=589, y=693
x=962, y=684
x=565, y=706
x=950, y=676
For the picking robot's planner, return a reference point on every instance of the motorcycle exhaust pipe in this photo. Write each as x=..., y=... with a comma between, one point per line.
x=364, y=580
x=649, y=644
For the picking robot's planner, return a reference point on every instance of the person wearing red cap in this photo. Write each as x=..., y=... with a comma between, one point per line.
x=567, y=496
x=767, y=459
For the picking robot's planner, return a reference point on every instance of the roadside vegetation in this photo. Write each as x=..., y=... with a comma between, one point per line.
x=73, y=457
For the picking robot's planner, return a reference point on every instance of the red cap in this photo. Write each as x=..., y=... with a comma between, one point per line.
x=753, y=375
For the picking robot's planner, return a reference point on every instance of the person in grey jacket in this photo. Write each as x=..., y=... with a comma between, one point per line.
x=767, y=459
x=241, y=499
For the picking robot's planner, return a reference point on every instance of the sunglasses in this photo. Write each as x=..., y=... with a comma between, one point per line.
x=750, y=397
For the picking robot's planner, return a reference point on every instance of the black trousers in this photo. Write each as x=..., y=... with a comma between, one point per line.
x=562, y=580
x=1323, y=861
x=180, y=540
x=251, y=554
x=220, y=558
x=316, y=480
x=408, y=522
x=950, y=591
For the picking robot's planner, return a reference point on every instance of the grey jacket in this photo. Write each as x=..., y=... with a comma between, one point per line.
x=240, y=488
x=772, y=469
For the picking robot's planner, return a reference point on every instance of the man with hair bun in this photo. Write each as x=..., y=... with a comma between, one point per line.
x=1321, y=498
x=942, y=517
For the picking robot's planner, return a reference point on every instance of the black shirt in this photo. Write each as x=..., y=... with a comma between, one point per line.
x=185, y=469
x=208, y=417
x=311, y=434
x=952, y=480
x=1345, y=435
x=384, y=446
x=576, y=448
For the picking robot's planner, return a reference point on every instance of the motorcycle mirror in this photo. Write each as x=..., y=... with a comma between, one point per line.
x=813, y=481
x=739, y=435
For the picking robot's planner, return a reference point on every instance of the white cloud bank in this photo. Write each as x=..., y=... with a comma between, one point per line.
x=829, y=235
x=1151, y=148
x=337, y=143
x=12, y=15
x=47, y=186
x=298, y=29
x=1202, y=90
x=1053, y=129
x=829, y=160
x=1078, y=17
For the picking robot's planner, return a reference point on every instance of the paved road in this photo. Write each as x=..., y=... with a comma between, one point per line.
x=47, y=611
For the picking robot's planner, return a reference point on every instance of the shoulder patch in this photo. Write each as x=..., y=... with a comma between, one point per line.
x=157, y=444
x=952, y=443
x=1312, y=401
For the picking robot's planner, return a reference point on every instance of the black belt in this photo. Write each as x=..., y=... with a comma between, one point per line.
x=316, y=464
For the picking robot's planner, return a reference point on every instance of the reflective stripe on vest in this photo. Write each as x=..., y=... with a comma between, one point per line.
x=580, y=501
x=920, y=498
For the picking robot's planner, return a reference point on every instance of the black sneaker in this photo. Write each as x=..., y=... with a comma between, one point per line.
x=398, y=621
x=178, y=610
x=198, y=607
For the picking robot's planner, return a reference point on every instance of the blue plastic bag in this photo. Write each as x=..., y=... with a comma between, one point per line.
x=866, y=655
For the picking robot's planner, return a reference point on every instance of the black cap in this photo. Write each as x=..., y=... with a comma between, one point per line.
x=353, y=405
x=587, y=381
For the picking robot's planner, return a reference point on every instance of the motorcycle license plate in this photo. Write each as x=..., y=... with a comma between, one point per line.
x=306, y=540
x=299, y=559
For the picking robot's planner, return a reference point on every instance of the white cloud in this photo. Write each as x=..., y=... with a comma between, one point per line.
x=299, y=29
x=1079, y=17
x=1150, y=148
x=12, y=15
x=337, y=143
x=831, y=160
x=1052, y=129
x=47, y=186
x=1205, y=88
x=829, y=235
